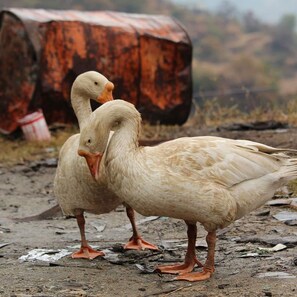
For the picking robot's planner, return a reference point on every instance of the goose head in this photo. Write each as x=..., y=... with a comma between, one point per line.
x=95, y=135
x=92, y=85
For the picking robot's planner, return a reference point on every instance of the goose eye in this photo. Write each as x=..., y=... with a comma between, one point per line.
x=89, y=141
x=95, y=83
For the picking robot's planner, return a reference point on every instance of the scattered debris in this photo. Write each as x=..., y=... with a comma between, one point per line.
x=111, y=257
x=72, y=292
x=4, y=230
x=293, y=204
x=145, y=269
x=279, y=202
x=45, y=255
x=98, y=227
x=267, y=293
x=252, y=255
x=3, y=245
x=289, y=241
x=263, y=213
x=259, y=125
x=275, y=274
x=49, y=162
x=286, y=216
x=276, y=248
x=223, y=286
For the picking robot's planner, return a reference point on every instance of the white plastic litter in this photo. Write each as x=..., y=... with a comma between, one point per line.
x=34, y=127
x=276, y=248
x=44, y=255
x=275, y=274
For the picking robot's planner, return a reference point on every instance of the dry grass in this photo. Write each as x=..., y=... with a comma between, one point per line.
x=19, y=150
x=212, y=115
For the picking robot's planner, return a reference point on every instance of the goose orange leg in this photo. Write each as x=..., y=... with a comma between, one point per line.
x=85, y=251
x=190, y=258
x=208, y=268
x=136, y=242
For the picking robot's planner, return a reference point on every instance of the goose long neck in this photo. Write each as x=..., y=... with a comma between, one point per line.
x=125, y=138
x=81, y=107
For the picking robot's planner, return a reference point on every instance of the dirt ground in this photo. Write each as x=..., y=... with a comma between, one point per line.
x=241, y=268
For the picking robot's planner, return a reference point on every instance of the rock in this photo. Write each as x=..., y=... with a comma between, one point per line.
x=285, y=216
x=293, y=204
x=263, y=213
x=3, y=245
x=267, y=293
x=222, y=286
x=291, y=222
x=258, y=125
x=147, y=57
x=279, y=202
x=145, y=269
x=275, y=274
x=289, y=241
x=72, y=293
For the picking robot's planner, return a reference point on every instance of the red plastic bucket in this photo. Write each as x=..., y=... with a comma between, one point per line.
x=34, y=126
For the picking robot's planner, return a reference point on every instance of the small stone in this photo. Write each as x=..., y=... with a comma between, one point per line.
x=275, y=274
x=286, y=216
x=291, y=222
x=279, y=202
x=267, y=293
x=263, y=213
x=222, y=286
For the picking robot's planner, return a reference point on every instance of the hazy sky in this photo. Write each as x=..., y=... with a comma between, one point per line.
x=267, y=10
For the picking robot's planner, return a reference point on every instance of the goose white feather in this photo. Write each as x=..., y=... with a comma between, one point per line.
x=74, y=187
x=210, y=180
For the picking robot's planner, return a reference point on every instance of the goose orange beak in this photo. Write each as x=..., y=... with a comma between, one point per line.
x=106, y=94
x=93, y=161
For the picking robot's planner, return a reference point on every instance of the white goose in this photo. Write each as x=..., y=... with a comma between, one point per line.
x=210, y=180
x=74, y=187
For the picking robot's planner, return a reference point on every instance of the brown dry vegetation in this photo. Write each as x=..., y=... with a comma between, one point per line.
x=15, y=149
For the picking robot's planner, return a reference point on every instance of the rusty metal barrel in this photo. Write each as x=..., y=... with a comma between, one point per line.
x=147, y=57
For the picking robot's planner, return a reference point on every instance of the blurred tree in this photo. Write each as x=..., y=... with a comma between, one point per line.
x=284, y=36
x=204, y=79
x=210, y=49
x=251, y=73
x=227, y=11
x=251, y=23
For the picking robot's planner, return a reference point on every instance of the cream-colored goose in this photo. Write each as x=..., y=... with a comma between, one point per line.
x=210, y=180
x=74, y=187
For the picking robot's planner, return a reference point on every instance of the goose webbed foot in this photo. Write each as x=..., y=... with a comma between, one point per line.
x=186, y=267
x=86, y=252
x=137, y=243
